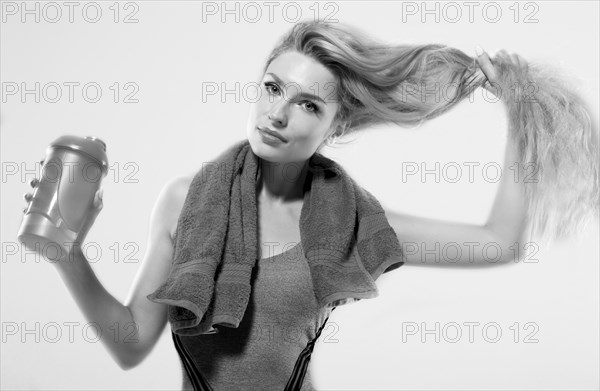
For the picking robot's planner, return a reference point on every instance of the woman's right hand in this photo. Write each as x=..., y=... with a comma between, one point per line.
x=97, y=206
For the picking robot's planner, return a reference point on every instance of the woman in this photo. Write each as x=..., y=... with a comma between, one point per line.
x=359, y=83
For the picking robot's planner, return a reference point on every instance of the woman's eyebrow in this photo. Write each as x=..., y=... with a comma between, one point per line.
x=301, y=95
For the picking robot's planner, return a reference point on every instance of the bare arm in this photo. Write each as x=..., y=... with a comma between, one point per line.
x=502, y=239
x=140, y=321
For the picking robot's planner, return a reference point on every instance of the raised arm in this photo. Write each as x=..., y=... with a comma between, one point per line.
x=441, y=243
x=139, y=320
x=500, y=240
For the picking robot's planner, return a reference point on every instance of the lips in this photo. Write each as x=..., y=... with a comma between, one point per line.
x=272, y=133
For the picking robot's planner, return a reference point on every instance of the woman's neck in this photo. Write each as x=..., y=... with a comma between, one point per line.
x=281, y=183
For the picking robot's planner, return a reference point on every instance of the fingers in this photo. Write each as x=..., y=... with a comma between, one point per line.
x=97, y=203
x=488, y=68
x=511, y=57
x=28, y=197
x=485, y=63
x=33, y=183
x=518, y=60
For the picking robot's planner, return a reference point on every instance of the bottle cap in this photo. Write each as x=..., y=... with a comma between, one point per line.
x=90, y=145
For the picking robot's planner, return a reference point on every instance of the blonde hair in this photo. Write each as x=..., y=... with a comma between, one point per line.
x=548, y=120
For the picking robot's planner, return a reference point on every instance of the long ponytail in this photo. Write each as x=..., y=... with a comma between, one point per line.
x=410, y=84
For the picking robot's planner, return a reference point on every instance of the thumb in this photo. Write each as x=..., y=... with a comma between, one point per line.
x=486, y=64
x=98, y=204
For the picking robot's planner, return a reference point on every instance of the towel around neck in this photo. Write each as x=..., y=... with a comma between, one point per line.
x=344, y=233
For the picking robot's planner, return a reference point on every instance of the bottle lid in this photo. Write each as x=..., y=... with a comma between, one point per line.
x=90, y=145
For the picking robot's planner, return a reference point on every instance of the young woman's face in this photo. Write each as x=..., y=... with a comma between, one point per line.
x=298, y=103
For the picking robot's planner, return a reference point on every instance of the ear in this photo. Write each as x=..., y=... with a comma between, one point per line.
x=338, y=127
x=332, y=130
x=341, y=127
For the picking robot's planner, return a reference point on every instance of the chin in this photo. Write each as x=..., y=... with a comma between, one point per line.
x=260, y=149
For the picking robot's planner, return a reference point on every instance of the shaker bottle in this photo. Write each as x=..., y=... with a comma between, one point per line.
x=62, y=200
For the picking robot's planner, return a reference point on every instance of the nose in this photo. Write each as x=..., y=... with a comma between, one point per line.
x=277, y=114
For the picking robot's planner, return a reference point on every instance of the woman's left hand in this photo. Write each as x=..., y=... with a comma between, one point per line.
x=490, y=71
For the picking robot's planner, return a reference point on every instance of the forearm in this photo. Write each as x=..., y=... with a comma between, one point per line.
x=117, y=329
x=500, y=240
x=508, y=217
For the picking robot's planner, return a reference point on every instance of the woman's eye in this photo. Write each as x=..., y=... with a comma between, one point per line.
x=311, y=107
x=270, y=86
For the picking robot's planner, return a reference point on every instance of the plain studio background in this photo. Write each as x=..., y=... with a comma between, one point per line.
x=546, y=311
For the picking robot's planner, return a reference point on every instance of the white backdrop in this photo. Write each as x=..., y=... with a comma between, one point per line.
x=160, y=126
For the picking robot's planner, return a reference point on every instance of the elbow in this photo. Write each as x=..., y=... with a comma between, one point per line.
x=128, y=363
x=130, y=359
x=511, y=248
x=127, y=366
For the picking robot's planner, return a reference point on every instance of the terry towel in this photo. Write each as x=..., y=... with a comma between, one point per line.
x=344, y=234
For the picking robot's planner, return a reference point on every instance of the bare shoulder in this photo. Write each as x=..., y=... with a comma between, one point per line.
x=173, y=194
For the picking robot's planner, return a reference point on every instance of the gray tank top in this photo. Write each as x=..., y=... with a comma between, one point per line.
x=271, y=348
